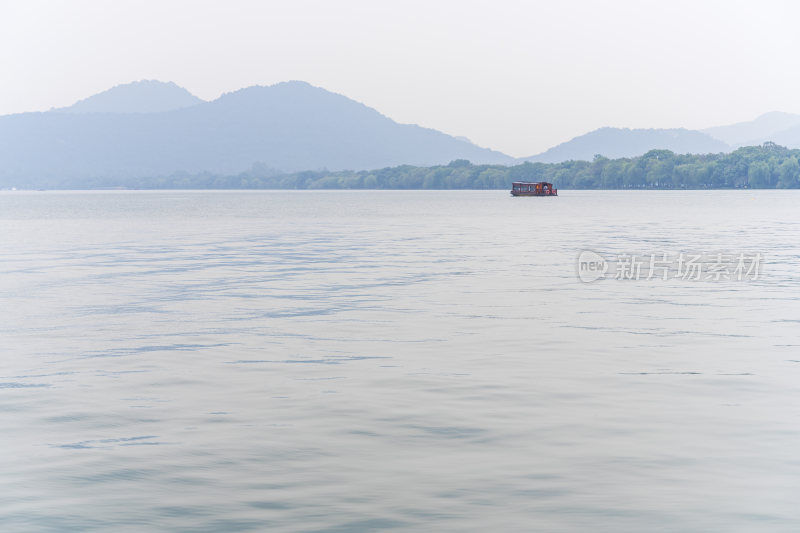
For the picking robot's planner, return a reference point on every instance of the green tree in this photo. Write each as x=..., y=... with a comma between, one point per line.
x=758, y=174
x=789, y=174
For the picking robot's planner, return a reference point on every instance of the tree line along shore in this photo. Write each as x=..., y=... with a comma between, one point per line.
x=768, y=166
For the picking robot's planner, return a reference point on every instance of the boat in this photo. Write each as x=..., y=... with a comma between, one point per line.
x=533, y=188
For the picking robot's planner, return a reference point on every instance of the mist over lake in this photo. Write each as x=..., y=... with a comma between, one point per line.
x=395, y=360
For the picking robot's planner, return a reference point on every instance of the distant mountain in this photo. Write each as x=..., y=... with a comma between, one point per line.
x=767, y=127
x=290, y=126
x=789, y=138
x=624, y=142
x=146, y=96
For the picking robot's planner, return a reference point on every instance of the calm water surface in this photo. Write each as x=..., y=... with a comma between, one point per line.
x=409, y=361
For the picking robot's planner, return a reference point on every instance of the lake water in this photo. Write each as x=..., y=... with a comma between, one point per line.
x=389, y=360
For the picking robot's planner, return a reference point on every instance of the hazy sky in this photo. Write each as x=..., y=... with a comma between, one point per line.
x=515, y=76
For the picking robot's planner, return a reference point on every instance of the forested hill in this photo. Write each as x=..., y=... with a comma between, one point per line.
x=291, y=126
x=624, y=142
x=765, y=166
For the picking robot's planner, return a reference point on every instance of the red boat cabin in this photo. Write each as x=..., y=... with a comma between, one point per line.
x=533, y=188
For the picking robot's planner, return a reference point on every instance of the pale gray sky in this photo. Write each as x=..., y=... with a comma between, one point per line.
x=516, y=76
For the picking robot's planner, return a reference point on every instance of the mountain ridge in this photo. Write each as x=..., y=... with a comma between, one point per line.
x=143, y=96
x=757, y=131
x=152, y=128
x=291, y=126
x=626, y=142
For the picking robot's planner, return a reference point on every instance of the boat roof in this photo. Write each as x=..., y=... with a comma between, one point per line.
x=531, y=183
